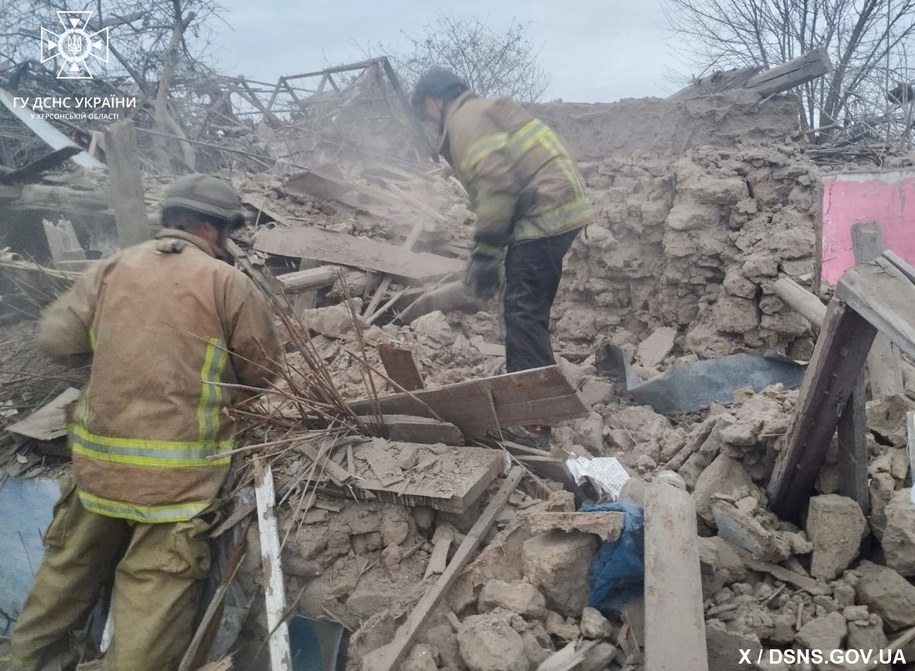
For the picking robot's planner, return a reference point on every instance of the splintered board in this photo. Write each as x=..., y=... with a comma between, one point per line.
x=443, y=477
x=537, y=396
x=333, y=247
x=49, y=421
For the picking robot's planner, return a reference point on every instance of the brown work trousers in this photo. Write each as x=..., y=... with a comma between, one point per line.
x=156, y=569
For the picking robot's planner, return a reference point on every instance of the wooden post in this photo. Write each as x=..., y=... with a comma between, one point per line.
x=125, y=183
x=274, y=589
x=883, y=370
x=674, y=615
x=852, y=438
x=837, y=360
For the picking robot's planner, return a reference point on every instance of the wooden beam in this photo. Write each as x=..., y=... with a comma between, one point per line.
x=791, y=74
x=674, y=614
x=274, y=589
x=400, y=366
x=800, y=300
x=390, y=656
x=884, y=296
x=310, y=278
x=838, y=358
x=537, y=396
x=125, y=183
x=348, y=250
x=883, y=370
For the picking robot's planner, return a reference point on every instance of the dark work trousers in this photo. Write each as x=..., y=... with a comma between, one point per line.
x=532, y=273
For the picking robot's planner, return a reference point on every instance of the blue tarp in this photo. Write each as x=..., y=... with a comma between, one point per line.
x=618, y=571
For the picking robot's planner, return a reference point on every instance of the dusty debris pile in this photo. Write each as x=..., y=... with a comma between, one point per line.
x=405, y=511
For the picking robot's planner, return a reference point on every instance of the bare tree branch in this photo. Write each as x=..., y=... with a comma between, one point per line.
x=867, y=40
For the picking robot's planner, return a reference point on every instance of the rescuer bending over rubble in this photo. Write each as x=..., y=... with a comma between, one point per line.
x=529, y=199
x=168, y=326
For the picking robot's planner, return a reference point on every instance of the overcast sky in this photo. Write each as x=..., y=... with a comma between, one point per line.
x=593, y=50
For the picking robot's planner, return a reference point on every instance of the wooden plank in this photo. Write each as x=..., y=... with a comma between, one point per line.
x=838, y=358
x=390, y=656
x=347, y=250
x=791, y=74
x=537, y=396
x=125, y=183
x=883, y=370
x=274, y=589
x=674, y=614
x=47, y=132
x=39, y=165
x=901, y=264
x=400, y=365
x=884, y=296
x=852, y=438
x=49, y=421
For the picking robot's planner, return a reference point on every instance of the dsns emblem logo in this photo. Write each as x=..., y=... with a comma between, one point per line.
x=76, y=47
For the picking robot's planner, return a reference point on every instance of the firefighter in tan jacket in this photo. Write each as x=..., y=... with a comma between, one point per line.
x=528, y=197
x=170, y=328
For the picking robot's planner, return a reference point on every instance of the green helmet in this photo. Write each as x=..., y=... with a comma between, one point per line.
x=436, y=83
x=205, y=195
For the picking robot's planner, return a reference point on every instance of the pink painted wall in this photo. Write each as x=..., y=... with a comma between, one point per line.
x=887, y=198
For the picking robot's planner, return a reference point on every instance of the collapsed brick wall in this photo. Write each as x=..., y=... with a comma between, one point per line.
x=699, y=206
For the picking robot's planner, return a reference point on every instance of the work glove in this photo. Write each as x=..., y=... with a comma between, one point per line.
x=482, y=278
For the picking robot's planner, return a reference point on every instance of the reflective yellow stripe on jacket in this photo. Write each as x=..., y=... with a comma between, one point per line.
x=490, y=206
x=208, y=452
x=177, y=512
x=214, y=363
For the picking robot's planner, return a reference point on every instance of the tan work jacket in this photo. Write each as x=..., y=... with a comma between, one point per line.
x=520, y=177
x=167, y=324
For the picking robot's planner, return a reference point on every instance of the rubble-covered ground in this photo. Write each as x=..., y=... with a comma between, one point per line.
x=700, y=207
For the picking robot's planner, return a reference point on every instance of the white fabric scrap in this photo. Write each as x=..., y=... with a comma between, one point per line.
x=606, y=473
